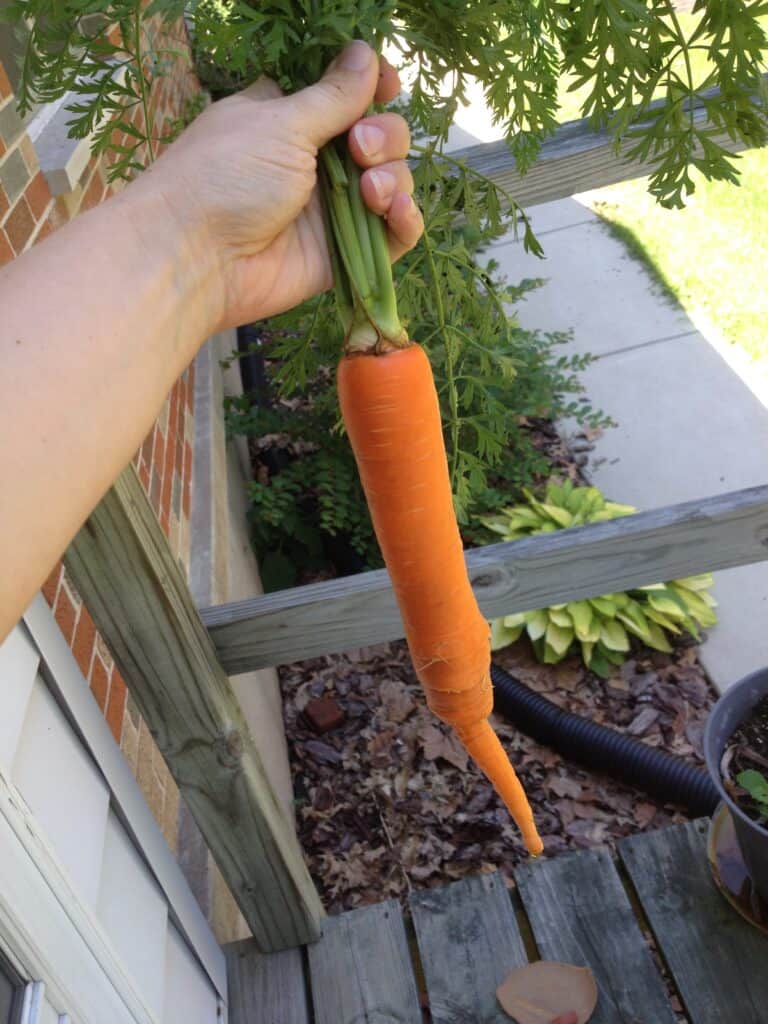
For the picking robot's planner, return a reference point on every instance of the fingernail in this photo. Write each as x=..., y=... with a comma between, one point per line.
x=383, y=183
x=369, y=138
x=356, y=57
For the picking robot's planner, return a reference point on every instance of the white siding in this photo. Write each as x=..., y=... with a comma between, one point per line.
x=47, y=1014
x=64, y=790
x=134, y=914
x=18, y=666
x=188, y=996
x=88, y=885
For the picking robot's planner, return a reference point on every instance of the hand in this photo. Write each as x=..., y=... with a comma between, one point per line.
x=242, y=181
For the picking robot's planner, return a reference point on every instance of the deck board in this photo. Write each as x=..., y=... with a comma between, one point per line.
x=719, y=962
x=468, y=942
x=580, y=914
x=267, y=988
x=361, y=969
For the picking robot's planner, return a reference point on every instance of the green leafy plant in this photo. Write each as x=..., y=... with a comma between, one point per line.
x=306, y=504
x=630, y=61
x=599, y=628
x=756, y=785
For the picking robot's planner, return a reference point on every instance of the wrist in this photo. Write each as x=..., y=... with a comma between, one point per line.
x=172, y=239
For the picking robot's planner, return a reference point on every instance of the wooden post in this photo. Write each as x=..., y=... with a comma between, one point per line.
x=134, y=589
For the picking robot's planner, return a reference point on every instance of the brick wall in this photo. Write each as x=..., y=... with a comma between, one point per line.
x=28, y=212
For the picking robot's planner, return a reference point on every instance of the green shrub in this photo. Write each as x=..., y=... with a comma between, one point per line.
x=599, y=628
x=306, y=492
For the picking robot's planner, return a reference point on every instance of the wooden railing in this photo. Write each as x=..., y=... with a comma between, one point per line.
x=175, y=661
x=340, y=614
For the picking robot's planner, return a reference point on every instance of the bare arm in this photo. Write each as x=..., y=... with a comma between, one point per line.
x=98, y=321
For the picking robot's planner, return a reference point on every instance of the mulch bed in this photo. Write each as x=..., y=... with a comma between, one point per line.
x=387, y=802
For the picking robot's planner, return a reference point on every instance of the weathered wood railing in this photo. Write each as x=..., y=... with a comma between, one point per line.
x=575, y=159
x=175, y=668
x=716, y=533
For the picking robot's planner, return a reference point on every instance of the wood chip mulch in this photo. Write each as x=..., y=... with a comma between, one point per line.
x=387, y=802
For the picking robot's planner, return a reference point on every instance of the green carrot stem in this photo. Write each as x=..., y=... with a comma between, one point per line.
x=361, y=221
x=363, y=256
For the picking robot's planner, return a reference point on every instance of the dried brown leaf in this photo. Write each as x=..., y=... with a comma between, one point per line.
x=544, y=990
x=436, y=743
x=396, y=701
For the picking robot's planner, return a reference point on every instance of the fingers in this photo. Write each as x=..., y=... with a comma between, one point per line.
x=342, y=95
x=380, y=184
x=378, y=139
x=389, y=82
x=405, y=224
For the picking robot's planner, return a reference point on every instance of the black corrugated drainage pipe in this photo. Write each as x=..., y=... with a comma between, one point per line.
x=668, y=778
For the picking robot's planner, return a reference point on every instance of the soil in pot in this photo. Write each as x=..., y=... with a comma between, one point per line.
x=745, y=763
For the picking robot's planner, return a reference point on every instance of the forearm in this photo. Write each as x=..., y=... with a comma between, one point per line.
x=96, y=324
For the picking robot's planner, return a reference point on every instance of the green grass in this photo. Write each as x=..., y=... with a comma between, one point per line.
x=712, y=255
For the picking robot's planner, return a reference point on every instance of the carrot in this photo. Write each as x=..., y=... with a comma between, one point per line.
x=392, y=416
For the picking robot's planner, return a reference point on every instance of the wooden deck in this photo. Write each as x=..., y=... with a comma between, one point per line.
x=375, y=966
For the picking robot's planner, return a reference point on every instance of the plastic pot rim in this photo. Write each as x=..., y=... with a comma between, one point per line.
x=713, y=758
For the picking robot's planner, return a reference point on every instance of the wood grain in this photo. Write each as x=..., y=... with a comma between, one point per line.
x=718, y=961
x=576, y=158
x=361, y=969
x=124, y=570
x=580, y=914
x=287, y=626
x=468, y=943
x=268, y=988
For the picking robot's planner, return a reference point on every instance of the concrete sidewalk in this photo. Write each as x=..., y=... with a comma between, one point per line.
x=688, y=425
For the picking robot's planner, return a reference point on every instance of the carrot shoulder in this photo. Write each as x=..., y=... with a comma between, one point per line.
x=392, y=416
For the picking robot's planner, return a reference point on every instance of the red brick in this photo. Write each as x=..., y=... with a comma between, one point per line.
x=146, y=448
x=82, y=645
x=154, y=491
x=20, y=225
x=186, y=503
x=180, y=414
x=190, y=386
x=165, y=521
x=44, y=231
x=100, y=683
x=6, y=252
x=51, y=585
x=65, y=614
x=173, y=415
x=38, y=195
x=158, y=452
x=5, y=85
x=5, y=203
x=144, y=476
x=2, y=147
x=187, y=463
x=170, y=452
x=165, y=500
x=93, y=193
x=118, y=695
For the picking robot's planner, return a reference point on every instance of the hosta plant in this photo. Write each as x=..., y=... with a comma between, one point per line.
x=600, y=628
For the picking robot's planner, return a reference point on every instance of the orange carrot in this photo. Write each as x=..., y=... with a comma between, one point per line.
x=391, y=412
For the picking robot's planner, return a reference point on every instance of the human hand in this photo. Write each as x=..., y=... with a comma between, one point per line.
x=241, y=180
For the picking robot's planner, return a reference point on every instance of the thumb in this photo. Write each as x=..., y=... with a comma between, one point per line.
x=342, y=95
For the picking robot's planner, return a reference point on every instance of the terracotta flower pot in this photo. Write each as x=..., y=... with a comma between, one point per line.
x=731, y=710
